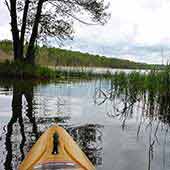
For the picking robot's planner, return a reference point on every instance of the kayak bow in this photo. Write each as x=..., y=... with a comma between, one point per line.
x=68, y=156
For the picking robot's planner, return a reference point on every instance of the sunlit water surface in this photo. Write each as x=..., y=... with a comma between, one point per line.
x=111, y=141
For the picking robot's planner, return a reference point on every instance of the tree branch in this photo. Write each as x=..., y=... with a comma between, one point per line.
x=74, y=17
x=7, y=4
x=31, y=51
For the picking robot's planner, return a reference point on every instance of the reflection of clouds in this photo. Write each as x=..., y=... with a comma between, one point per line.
x=106, y=144
x=74, y=100
x=64, y=104
x=147, y=111
x=5, y=105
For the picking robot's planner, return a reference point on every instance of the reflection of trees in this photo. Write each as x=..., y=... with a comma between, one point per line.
x=153, y=108
x=25, y=127
x=89, y=138
x=16, y=115
x=23, y=118
x=19, y=90
x=30, y=112
x=125, y=100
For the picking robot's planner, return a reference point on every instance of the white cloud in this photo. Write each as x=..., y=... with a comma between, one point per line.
x=134, y=24
x=142, y=21
x=4, y=22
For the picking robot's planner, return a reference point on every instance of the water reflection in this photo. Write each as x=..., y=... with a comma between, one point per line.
x=89, y=138
x=150, y=108
x=92, y=113
x=19, y=90
x=25, y=126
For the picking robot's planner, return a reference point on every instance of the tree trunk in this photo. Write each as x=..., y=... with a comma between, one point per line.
x=23, y=28
x=15, y=31
x=30, y=56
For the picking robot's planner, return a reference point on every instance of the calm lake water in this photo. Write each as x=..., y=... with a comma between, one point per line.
x=98, y=70
x=112, y=133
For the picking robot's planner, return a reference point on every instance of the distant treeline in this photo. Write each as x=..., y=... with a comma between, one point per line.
x=60, y=57
x=6, y=46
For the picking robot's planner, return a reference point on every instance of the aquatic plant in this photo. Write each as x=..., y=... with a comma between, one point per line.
x=20, y=70
x=148, y=92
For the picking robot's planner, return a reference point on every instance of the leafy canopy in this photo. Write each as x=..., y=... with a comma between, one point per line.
x=58, y=16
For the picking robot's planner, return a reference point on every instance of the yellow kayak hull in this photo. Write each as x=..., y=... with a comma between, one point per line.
x=69, y=151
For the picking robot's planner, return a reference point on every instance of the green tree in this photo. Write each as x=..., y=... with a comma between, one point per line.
x=33, y=20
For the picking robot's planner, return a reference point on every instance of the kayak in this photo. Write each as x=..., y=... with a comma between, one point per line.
x=56, y=150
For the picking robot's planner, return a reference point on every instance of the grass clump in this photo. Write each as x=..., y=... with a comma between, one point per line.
x=22, y=70
x=150, y=90
x=154, y=80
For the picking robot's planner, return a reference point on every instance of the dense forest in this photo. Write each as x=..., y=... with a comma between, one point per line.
x=50, y=56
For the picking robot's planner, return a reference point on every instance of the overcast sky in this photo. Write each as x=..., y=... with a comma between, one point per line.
x=138, y=30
